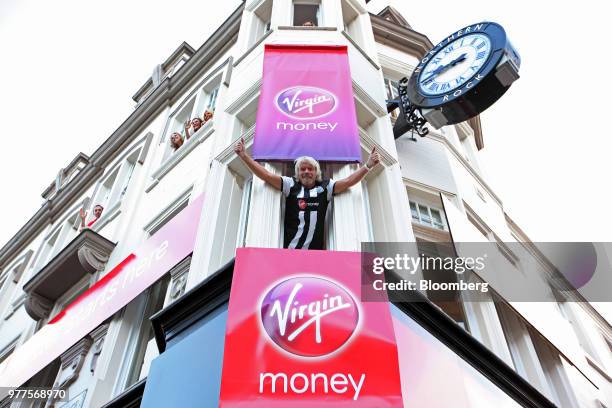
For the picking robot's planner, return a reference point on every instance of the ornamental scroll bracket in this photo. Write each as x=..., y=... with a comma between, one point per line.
x=411, y=118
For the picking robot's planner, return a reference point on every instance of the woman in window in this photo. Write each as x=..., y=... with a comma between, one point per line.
x=207, y=116
x=176, y=140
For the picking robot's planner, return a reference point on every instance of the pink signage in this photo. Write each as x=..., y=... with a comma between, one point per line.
x=306, y=107
x=297, y=334
x=149, y=262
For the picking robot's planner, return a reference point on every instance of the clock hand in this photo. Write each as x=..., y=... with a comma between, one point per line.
x=443, y=68
x=434, y=74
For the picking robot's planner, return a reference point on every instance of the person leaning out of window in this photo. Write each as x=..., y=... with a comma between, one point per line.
x=307, y=195
x=196, y=123
x=98, y=209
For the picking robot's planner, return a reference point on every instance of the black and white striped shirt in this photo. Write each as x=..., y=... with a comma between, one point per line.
x=305, y=213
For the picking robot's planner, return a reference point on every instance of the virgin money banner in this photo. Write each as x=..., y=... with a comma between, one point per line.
x=298, y=336
x=145, y=265
x=306, y=106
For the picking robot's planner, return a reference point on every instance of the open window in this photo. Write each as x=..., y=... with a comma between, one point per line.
x=145, y=348
x=307, y=13
x=351, y=21
x=391, y=94
x=57, y=239
x=288, y=170
x=262, y=17
x=113, y=188
x=427, y=211
x=201, y=105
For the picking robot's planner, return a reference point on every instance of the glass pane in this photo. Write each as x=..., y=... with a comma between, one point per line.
x=424, y=212
x=391, y=88
x=130, y=171
x=413, y=210
x=437, y=219
x=427, y=366
x=212, y=100
x=305, y=15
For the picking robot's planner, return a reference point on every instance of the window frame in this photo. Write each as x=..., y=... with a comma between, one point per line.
x=123, y=173
x=191, y=107
x=261, y=22
x=432, y=224
x=318, y=16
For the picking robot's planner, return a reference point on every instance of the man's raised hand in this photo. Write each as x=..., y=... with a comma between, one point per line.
x=374, y=158
x=239, y=147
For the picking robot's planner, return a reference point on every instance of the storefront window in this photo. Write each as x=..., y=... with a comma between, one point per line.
x=433, y=376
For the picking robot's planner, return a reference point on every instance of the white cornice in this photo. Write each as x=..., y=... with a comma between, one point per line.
x=368, y=101
x=246, y=96
x=466, y=165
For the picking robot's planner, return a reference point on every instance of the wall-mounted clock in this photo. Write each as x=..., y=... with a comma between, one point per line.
x=463, y=75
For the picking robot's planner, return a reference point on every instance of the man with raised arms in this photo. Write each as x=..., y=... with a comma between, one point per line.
x=307, y=196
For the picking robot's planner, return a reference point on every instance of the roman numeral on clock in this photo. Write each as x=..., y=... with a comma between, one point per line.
x=481, y=55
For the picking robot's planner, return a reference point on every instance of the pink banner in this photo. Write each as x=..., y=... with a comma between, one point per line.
x=298, y=336
x=139, y=270
x=306, y=106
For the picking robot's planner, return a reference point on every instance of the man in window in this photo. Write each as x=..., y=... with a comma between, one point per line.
x=307, y=196
x=97, y=214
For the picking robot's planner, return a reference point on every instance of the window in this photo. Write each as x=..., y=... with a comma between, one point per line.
x=143, y=345
x=212, y=99
x=69, y=297
x=58, y=238
x=573, y=313
x=104, y=193
x=391, y=93
x=450, y=302
x=552, y=363
x=4, y=353
x=306, y=231
x=195, y=354
x=262, y=17
x=306, y=13
x=428, y=216
x=196, y=106
x=114, y=186
x=350, y=20
x=391, y=88
x=206, y=100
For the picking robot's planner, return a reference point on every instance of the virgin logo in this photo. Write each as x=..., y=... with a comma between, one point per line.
x=309, y=316
x=305, y=102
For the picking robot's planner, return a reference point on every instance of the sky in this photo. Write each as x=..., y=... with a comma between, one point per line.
x=69, y=68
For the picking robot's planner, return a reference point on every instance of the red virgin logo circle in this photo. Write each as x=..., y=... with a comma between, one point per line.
x=309, y=316
x=302, y=204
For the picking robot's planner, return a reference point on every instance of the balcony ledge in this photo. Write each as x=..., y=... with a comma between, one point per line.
x=88, y=253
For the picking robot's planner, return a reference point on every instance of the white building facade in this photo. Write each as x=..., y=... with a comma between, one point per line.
x=561, y=348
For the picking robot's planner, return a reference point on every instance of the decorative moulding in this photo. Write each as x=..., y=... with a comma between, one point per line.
x=86, y=254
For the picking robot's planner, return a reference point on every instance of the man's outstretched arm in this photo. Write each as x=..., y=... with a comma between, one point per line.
x=257, y=169
x=359, y=174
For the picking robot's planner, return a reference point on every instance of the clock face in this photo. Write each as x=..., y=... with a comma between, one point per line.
x=455, y=64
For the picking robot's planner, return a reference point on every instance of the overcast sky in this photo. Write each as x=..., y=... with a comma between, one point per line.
x=69, y=68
